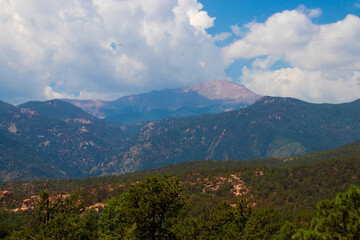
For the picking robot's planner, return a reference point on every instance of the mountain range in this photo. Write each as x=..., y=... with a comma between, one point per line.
x=55, y=139
x=207, y=97
x=271, y=127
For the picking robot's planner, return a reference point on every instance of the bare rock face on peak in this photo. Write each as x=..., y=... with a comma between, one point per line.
x=207, y=97
x=224, y=90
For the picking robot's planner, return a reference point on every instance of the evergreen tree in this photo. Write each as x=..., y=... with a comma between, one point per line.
x=340, y=217
x=147, y=211
x=54, y=219
x=337, y=218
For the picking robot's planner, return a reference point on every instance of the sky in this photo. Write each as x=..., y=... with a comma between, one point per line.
x=105, y=49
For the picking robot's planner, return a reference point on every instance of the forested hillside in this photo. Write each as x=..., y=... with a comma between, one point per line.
x=272, y=127
x=66, y=141
x=279, y=197
x=75, y=144
x=159, y=208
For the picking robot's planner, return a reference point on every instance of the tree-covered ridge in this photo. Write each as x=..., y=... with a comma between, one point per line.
x=299, y=186
x=57, y=109
x=348, y=150
x=71, y=143
x=159, y=208
x=64, y=140
x=272, y=127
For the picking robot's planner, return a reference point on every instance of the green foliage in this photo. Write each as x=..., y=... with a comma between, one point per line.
x=340, y=217
x=337, y=218
x=112, y=220
x=186, y=228
x=147, y=211
x=286, y=231
x=305, y=234
x=296, y=187
x=57, y=218
x=158, y=208
x=345, y=151
x=225, y=221
x=218, y=223
x=262, y=225
x=153, y=205
x=89, y=225
x=9, y=222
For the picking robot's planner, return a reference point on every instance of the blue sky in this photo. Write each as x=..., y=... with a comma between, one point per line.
x=105, y=49
x=229, y=12
x=239, y=12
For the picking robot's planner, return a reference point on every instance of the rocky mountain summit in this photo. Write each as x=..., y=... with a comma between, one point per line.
x=224, y=90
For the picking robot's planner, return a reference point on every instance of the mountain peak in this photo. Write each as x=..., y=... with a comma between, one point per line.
x=223, y=89
x=6, y=107
x=207, y=97
x=57, y=109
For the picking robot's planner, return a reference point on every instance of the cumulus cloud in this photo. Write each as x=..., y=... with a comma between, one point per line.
x=321, y=61
x=103, y=49
x=311, y=85
x=109, y=48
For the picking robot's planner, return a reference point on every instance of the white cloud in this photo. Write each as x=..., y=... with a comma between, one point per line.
x=309, y=85
x=50, y=93
x=265, y=63
x=103, y=48
x=199, y=19
x=222, y=36
x=322, y=60
x=236, y=30
x=311, y=13
x=108, y=48
x=281, y=33
x=314, y=13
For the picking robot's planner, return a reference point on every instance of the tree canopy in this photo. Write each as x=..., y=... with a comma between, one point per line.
x=158, y=208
